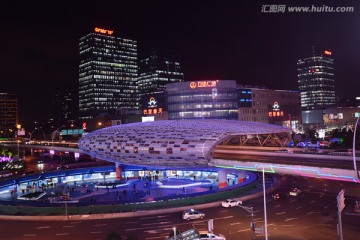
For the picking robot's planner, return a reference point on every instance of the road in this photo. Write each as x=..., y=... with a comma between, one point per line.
x=311, y=215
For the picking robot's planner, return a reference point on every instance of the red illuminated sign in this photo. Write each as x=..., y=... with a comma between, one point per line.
x=104, y=31
x=203, y=84
x=276, y=114
x=328, y=53
x=152, y=111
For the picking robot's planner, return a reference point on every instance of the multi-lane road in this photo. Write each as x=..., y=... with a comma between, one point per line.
x=311, y=215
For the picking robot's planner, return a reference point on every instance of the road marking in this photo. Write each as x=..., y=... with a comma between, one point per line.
x=298, y=208
x=312, y=202
x=68, y=226
x=29, y=235
x=290, y=219
x=149, y=224
x=130, y=222
x=75, y=222
x=161, y=237
x=232, y=224
x=152, y=231
x=287, y=225
x=224, y=211
x=258, y=219
x=98, y=232
x=325, y=207
x=43, y=227
x=280, y=213
x=244, y=230
x=155, y=217
x=62, y=234
x=100, y=225
x=309, y=213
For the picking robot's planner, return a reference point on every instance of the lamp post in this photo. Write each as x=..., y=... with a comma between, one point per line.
x=252, y=225
x=354, y=155
x=53, y=134
x=265, y=216
x=18, y=149
x=174, y=228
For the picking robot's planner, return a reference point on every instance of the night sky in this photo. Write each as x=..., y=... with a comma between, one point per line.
x=214, y=40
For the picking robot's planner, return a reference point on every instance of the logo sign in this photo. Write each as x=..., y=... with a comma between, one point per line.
x=276, y=110
x=104, y=31
x=152, y=103
x=152, y=111
x=357, y=114
x=203, y=84
x=328, y=53
x=276, y=106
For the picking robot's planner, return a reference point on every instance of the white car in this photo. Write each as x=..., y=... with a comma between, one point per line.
x=204, y=235
x=231, y=203
x=192, y=214
x=294, y=192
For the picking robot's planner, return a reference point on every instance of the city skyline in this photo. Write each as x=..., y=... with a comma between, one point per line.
x=235, y=41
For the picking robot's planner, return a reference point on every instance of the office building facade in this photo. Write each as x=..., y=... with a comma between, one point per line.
x=8, y=114
x=107, y=74
x=157, y=70
x=64, y=106
x=214, y=99
x=280, y=107
x=316, y=81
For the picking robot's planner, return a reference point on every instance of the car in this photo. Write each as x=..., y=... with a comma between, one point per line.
x=342, y=152
x=278, y=196
x=62, y=167
x=295, y=192
x=231, y=203
x=285, y=151
x=192, y=214
x=204, y=235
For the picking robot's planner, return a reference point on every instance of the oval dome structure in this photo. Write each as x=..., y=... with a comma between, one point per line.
x=168, y=143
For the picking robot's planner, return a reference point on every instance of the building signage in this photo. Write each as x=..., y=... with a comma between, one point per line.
x=152, y=107
x=276, y=110
x=104, y=31
x=356, y=114
x=152, y=111
x=152, y=102
x=328, y=53
x=203, y=84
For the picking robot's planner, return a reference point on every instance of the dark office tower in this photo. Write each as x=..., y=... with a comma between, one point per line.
x=316, y=81
x=157, y=70
x=8, y=114
x=107, y=74
x=64, y=102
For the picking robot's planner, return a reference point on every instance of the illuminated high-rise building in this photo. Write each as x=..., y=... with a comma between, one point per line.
x=157, y=70
x=107, y=74
x=8, y=114
x=316, y=81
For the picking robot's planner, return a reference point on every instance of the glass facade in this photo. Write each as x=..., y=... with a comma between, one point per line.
x=107, y=74
x=316, y=81
x=202, y=99
x=157, y=70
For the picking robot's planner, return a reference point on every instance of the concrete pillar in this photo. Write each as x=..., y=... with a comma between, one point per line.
x=136, y=174
x=222, y=176
x=119, y=170
x=164, y=174
x=241, y=176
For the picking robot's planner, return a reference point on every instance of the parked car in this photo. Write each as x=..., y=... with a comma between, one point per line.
x=278, y=196
x=204, y=235
x=294, y=192
x=342, y=152
x=231, y=203
x=285, y=151
x=192, y=214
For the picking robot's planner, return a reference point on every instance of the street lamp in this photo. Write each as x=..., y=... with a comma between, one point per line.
x=265, y=217
x=18, y=148
x=53, y=134
x=252, y=225
x=354, y=155
x=174, y=228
